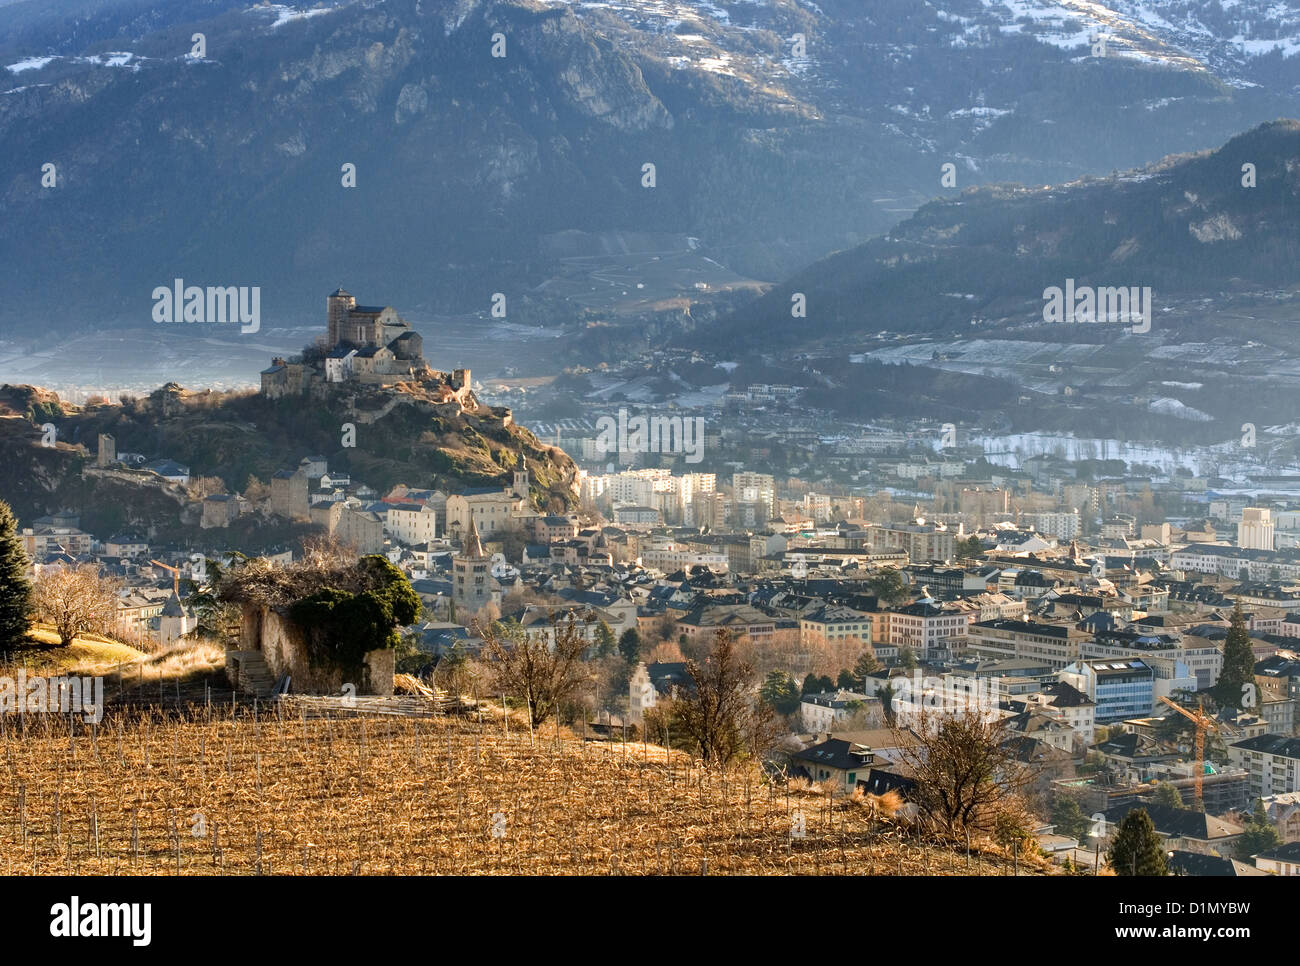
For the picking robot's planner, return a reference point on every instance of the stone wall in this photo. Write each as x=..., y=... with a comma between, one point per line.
x=284, y=648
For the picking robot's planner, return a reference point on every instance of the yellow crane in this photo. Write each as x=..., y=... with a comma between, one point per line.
x=1203, y=724
x=176, y=575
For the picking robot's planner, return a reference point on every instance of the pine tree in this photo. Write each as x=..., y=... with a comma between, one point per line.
x=1137, y=849
x=15, y=588
x=605, y=640
x=1237, y=682
x=780, y=692
x=1068, y=817
x=629, y=645
x=866, y=664
x=1167, y=794
x=1258, y=835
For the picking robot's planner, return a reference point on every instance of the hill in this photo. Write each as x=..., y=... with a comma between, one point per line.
x=235, y=436
x=443, y=796
x=1186, y=227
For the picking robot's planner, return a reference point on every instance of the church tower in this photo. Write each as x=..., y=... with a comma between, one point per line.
x=521, y=479
x=470, y=580
x=338, y=305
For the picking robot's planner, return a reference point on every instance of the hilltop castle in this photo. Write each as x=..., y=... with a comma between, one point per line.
x=367, y=344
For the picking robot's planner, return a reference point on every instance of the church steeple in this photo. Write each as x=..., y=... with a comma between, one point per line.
x=522, y=482
x=473, y=548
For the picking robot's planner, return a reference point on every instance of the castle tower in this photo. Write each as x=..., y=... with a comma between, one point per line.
x=107, y=450
x=521, y=480
x=338, y=305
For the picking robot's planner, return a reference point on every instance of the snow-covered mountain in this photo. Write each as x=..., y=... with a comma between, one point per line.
x=781, y=130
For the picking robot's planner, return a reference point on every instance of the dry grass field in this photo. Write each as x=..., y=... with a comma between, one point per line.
x=201, y=792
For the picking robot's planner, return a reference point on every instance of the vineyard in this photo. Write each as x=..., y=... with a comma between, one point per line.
x=247, y=791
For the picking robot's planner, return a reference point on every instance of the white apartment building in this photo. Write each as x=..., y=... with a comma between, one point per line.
x=412, y=523
x=1063, y=526
x=1272, y=761
x=1255, y=531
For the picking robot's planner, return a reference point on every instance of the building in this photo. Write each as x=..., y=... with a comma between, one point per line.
x=1057, y=645
x=289, y=494
x=837, y=761
x=842, y=632
x=757, y=492
x=652, y=683
x=173, y=622
x=43, y=539
x=350, y=525
x=1255, y=531
x=921, y=542
x=1120, y=689
x=931, y=631
x=368, y=344
x=471, y=583
x=1273, y=762
x=490, y=508
x=549, y=529
x=106, y=453
x=221, y=510
x=828, y=710
x=1280, y=860
x=169, y=470
x=1181, y=829
x=412, y=523
x=1062, y=526
x=638, y=515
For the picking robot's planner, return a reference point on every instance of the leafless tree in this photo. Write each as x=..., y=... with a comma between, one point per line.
x=966, y=778
x=531, y=668
x=723, y=715
x=201, y=487
x=75, y=600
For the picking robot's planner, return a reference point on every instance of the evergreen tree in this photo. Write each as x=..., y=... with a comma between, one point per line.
x=846, y=681
x=605, y=640
x=813, y=684
x=867, y=663
x=1167, y=794
x=1259, y=835
x=15, y=588
x=629, y=645
x=1236, y=687
x=780, y=692
x=907, y=658
x=1068, y=817
x=1137, y=849
x=888, y=586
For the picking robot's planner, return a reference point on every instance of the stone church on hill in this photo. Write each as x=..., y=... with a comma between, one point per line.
x=365, y=344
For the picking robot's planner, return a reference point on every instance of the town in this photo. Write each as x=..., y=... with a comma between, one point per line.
x=1133, y=638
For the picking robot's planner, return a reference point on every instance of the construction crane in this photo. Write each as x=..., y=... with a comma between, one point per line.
x=176, y=575
x=1203, y=724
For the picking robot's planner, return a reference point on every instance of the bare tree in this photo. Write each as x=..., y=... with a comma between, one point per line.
x=531, y=668
x=201, y=487
x=256, y=491
x=723, y=716
x=966, y=778
x=75, y=600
